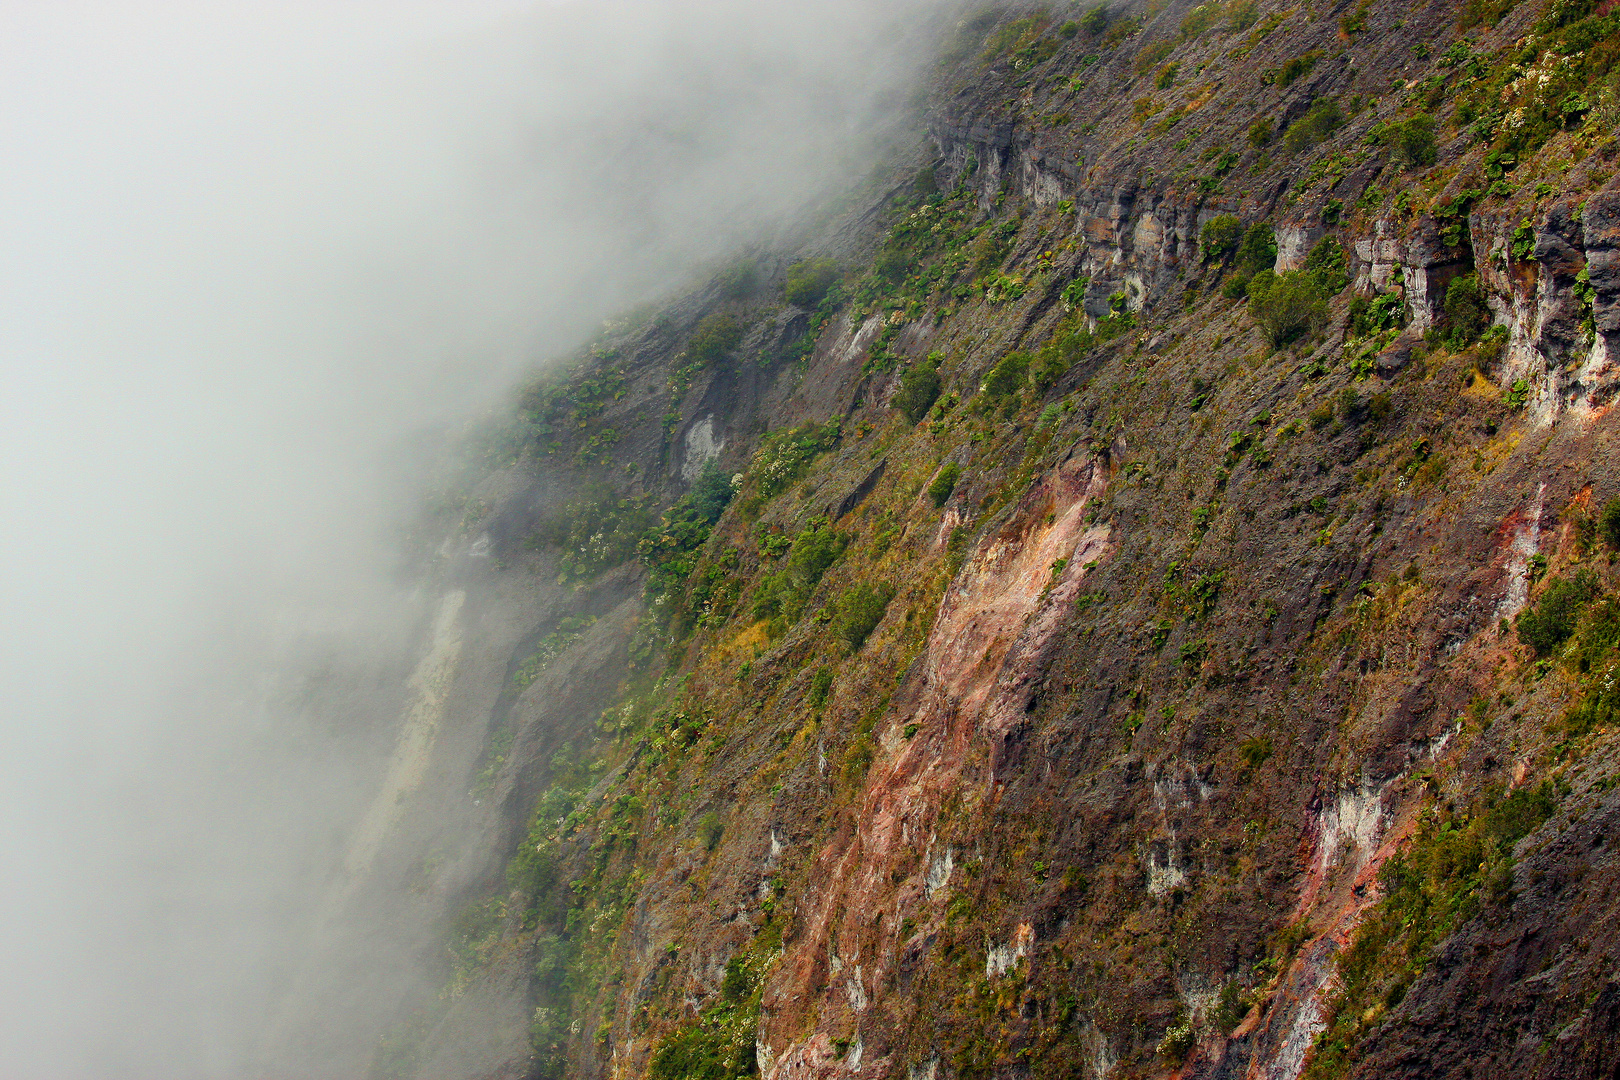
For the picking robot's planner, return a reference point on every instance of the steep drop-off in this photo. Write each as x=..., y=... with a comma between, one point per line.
x=1132, y=597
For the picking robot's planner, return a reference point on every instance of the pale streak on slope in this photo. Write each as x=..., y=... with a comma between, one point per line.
x=430, y=687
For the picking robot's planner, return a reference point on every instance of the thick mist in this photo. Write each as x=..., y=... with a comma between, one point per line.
x=247, y=252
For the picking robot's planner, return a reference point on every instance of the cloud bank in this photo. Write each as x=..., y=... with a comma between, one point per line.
x=245, y=252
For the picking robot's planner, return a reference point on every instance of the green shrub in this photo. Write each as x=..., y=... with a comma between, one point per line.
x=1241, y=14
x=1256, y=751
x=1523, y=241
x=1119, y=30
x=1178, y=1041
x=808, y=281
x=1454, y=864
x=668, y=549
x=1356, y=21
x=820, y=686
x=945, y=483
x=1386, y=311
x=1322, y=119
x=715, y=336
x=1467, y=315
x=1329, y=264
x=1199, y=19
x=1410, y=142
x=992, y=247
x=1219, y=236
x=709, y=830
x=568, y=630
x=1287, y=306
x=1260, y=132
x=1166, y=78
x=1007, y=378
x=1095, y=21
x=1297, y=68
x=1609, y=523
x=1484, y=13
x=860, y=610
x=919, y=388
x=1065, y=349
x=1259, y=249
x=1550, y=623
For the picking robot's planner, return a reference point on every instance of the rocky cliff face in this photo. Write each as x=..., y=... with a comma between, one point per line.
x=1150, y=610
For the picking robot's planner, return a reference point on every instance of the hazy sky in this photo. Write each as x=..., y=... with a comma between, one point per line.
x=246, y=248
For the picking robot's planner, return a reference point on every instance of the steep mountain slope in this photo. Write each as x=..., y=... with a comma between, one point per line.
x=1133, y=598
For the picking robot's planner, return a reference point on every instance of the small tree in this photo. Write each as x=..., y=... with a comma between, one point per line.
x=714, y=337
x=1287, y=306
x=860, y=611
x=1550, y=623
x=945, y=483
x=1466, y=311
x=1411, y=142
x=709, y=830
x=1324, y=117
x=919, y=389
x=1259, y=249
x=1006, y=379
x=808, y=281
x=1609, y=523
x=1219, y=236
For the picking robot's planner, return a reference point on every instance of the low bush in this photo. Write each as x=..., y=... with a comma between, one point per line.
x=1007, y=378
x=1609, y=523
x=1329, y=264
x=1454, y=864
x=738, y=280
x=1385, y=311
x=860, y=609
x=784, y=594
x=1151, y=55
x=1297, y=68
x=919, y=388
x=820, y=686
x=1241, y=14
x=785, y=456
x=808, y=281
x=1287, y=306
x=1467, y=314
x=945, y=483
x=598, y=530
x=710, y=830
x=1257, y=252
x=1550, y=623
x=1322, y=119
x=1220, y=236
x=715, y=336
x=1410, y=142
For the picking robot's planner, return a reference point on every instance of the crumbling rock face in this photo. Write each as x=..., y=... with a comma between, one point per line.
x=957, y=727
